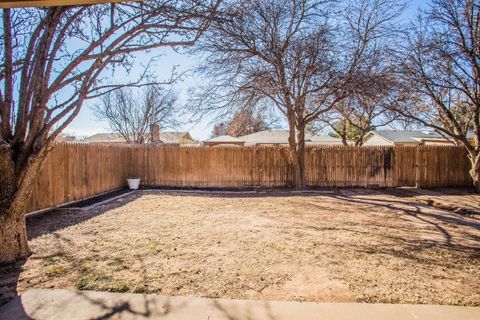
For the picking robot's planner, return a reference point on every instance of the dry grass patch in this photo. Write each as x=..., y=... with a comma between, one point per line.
x=351, y=246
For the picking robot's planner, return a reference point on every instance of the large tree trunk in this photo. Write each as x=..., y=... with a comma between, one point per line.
x=13, y=236
x=297, y=152
x=292, y=142
x=475, y=170
x=15, y=189
x=301, y=156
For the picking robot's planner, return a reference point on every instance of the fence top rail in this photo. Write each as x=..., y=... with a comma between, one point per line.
x=269, y=147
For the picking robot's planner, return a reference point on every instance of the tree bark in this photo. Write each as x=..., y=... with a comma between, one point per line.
x=13, y=236
x=293, y=153
x=15, y=188
x=297, y=152
x=301, y=157
x=475, y=170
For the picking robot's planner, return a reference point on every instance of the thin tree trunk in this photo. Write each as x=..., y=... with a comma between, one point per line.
x=344, y=133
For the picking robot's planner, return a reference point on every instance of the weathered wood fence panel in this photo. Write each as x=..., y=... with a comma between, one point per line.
x=350, y=167
x=76, y=171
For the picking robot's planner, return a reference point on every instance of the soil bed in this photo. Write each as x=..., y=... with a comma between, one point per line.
x=353, y=245
x=97, y=199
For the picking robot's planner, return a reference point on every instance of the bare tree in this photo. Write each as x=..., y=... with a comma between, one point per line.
x=372, y=30
x=131, y=114
x=291, y=54
x=365, y=109
x=244, y=121
x=275, y=50
x=55, y=58
x=440, y=75
x=219, y=129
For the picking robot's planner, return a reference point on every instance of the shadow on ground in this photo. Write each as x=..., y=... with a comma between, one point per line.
x=48, y=222
x=38, y=304
x=401, y=201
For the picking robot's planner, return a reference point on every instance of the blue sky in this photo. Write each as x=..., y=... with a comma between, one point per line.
x=86, y=124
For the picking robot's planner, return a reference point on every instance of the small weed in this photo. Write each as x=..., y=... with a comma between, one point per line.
x=85, y=266
x=49, y=261
x=54, y=271
x=88, y=282
x=153, y=246
x=119, y=287
x=139, y=288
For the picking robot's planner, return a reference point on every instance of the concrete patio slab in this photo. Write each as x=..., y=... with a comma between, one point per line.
x=75, y=305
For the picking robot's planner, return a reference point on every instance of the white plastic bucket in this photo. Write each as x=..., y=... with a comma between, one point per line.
x=133, y=183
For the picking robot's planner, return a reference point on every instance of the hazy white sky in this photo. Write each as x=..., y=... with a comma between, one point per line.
x=86, y=124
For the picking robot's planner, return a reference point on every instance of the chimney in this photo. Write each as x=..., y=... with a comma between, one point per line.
x=154, y=133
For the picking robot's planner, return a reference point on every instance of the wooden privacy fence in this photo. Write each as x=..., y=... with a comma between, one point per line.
x=76, y=171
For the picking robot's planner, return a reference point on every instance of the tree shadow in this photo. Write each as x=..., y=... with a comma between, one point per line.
x=57, y=219
x=409, y=208
x=48, y=222
x=100, y=306
x=426, y=215
x=9, y=275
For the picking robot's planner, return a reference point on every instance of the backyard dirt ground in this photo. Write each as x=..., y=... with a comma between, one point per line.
x=349, y=245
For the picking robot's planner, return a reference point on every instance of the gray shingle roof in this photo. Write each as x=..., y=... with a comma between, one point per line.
x=224, y=138
x=404, y=136
x=281, y=137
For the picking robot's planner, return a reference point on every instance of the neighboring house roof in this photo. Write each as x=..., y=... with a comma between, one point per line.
x=66, y=138
x=176, y=137
x=225, y=139
x=406, y=136
x=281, y=137
x=316, y=139
x=108, y=137
x=165, y=137
x=266, y=137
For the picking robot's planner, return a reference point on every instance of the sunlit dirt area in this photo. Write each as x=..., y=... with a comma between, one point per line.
x=340, y=246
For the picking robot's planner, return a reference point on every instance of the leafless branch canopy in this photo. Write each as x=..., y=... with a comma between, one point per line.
x=371, y=31
x=53, y=59
x=301, y=56
x=131, y=113
x=441, y=71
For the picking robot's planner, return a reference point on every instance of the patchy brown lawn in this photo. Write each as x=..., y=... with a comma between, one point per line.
x=353, y=245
